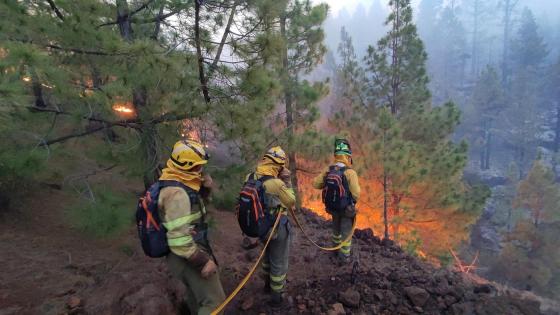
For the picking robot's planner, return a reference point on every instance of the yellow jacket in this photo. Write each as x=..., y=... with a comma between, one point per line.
x=275, y=187
x=351, y=176
x=179, y=220
x=176, y=212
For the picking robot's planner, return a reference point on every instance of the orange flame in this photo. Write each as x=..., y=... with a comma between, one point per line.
x=124, y=109
x=433, y=227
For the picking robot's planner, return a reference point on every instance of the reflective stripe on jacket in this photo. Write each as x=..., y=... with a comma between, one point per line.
x=179, y=220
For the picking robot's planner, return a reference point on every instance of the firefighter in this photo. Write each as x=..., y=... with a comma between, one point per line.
x=183, y=214
x=343, y=209
x=279, y=197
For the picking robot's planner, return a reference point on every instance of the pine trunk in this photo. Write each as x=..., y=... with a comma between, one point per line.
x=488, y=149
x=557, y=136
x=385, y=214
x=474, y=57
x=288, y=101
x=508, y=8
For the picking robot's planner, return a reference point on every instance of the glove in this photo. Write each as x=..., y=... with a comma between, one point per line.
x=285, y=176
x=209, y=269
x=206, y=188
x=199, y=260
x=350, y=211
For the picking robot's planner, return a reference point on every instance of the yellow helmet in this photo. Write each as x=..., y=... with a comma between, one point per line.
x=277, y=155
x=188, y=154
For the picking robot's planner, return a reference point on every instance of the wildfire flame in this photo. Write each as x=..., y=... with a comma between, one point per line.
x=124, y=109
x=427, y=232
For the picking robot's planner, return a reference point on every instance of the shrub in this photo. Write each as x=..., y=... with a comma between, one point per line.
x=228, y=183
x=17, y=170
x=108, y=214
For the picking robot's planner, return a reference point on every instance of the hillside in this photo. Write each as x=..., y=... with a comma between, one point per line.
x=49, y=268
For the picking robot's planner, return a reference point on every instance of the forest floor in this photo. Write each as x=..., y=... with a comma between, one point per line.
x=50, y=268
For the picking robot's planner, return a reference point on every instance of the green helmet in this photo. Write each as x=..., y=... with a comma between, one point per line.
x=342, y=147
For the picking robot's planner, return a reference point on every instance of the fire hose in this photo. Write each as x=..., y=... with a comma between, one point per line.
x=251, y=271
x=254, y=268
x=337, y=247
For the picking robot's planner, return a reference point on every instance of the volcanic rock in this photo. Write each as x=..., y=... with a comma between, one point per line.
x=350, y=298
x=337, y=309
x=417, y=296
x=248, y=303
x=74, y=302
x=484, y=288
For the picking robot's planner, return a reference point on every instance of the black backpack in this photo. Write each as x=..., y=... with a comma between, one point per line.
x=252, y=214
x=336, y=192
x=152, y=233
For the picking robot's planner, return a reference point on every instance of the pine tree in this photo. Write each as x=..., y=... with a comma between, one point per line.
x=488, y=101
x=508, y=7
x=530, y=259
x=352, y=74
x=449, y=58
x=396, y=67
x=405, y=142
x=528, y=54
x=70, y=65
x=479, y=12
x=539, y=194
x=553, y=89
x=302, y=48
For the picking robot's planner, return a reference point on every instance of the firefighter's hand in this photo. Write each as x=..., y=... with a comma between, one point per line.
x=207, y=186
x=209, y=269
x=285, y=176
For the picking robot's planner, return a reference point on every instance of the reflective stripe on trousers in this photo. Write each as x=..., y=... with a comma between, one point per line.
x=341, y=227
x=275, y=261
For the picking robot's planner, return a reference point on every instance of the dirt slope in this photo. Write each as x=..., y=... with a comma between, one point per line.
x=48, y=268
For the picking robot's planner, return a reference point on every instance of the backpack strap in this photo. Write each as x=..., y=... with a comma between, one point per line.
x=345, y=183
x=264, y=178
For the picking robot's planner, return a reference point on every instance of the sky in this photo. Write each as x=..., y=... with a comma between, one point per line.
x=350, y=5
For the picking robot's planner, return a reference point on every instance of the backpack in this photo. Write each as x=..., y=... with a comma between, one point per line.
x=152, y=233
x=336, y=193
x=252, y=214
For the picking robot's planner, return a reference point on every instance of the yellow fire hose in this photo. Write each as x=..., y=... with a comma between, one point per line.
x=251, y=271
x=337, y=247
x=254, y=268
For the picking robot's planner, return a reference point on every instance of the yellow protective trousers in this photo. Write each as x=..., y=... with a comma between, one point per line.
x=341, y=227
x=275, y=261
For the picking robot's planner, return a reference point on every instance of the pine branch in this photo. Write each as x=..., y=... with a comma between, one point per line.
x=201, y=75
x=56, y=10
x=222, y=43
x=140, y=8
x=123, y=123
x=170, y=117
x=84, y=52
x=156, y=19
x=75, y=135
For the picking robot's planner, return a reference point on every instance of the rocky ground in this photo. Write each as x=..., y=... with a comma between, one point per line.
x=49, y=268
x=385, y=280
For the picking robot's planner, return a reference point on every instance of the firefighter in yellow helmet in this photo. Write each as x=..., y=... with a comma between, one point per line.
x=183, y=214
x=279, y=196
x=341, y=191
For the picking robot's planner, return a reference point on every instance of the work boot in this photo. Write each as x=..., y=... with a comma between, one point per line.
x=266, y=288
x=344, y=259
x=276, y=299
